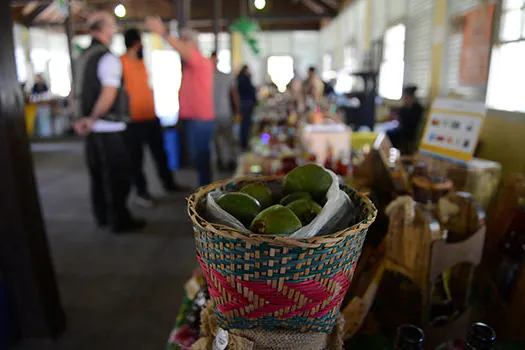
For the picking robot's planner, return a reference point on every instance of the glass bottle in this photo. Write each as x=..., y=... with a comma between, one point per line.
x=512, y=251
x=343, y=164
x=409, y=337
x=329, y=162
x=480, y=337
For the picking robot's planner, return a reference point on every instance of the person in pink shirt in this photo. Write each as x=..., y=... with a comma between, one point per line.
x=195, y=96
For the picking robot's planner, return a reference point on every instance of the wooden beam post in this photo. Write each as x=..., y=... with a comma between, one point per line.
x=183, y=11
x=217, y=7
x=26, y=271
x=243, y=8
x=70, y=32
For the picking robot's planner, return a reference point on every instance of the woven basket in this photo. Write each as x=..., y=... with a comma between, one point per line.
x=269, y=282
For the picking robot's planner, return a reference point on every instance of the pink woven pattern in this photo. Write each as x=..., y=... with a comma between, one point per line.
x=236, y=296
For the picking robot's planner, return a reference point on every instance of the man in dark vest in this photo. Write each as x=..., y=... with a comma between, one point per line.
x=101, y=104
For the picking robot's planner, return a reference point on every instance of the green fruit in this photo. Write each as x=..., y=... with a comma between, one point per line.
x=295, y=196
x=276, y=220
x=305, y=209
x=244, y=207
x=309, y=178
x=259, y=191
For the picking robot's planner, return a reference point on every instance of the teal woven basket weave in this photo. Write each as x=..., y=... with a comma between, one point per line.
x=269, y=282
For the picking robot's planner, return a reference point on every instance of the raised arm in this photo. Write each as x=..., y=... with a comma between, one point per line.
x=155, y=25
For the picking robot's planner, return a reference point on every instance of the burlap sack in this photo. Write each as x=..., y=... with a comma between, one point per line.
x=258, y=339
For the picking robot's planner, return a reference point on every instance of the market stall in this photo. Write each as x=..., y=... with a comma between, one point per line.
x=421, y=263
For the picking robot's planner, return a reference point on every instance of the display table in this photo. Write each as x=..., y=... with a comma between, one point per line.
x=45, y=117
x=396, y=277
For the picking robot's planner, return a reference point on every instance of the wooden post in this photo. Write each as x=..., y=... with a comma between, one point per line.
x=26, y=271
x=217, y=7
x=183, y=12
x=243, y=6
x=68, y=24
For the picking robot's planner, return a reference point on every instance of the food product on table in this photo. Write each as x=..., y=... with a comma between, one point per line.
x=259, y=191
x=276, y=220
x=241, y=205
x=305, y=209
x=309, y=178
x=292, y=197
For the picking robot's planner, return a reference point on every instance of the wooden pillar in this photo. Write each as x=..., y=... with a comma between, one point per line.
x=368, y=26
x=183, y=11
x=243, y=8
x=217, y=10
x=438, y=47
x=26, y=271
x=70, y=33
x=236, y=51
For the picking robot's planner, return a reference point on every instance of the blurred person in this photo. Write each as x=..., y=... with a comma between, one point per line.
x=313, y=87
x=295, y=89
x=225, y=95
x=410, y=116
x=144, y=128
x=248, y=101
x=195, y=96
x=40, y=85
x=100, y=103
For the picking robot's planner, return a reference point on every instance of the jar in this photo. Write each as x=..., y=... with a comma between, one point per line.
x=430, y=189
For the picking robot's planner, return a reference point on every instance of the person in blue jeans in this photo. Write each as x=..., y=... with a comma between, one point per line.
x=199, y=134
x=195, y=96
x=248, y=101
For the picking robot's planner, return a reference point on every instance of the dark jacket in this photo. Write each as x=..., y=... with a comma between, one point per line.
x=409, y=120
x=88, y=86
x=247, y=93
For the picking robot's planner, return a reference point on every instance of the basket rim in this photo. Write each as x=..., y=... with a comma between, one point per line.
x=229, y=232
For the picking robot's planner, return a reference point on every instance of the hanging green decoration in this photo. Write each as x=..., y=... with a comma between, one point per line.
x=247, y=28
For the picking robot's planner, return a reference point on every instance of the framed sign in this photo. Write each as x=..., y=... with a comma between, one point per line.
x=452, y=129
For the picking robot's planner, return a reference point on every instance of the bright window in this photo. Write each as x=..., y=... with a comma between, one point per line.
x=392, y=67
x=39, y=59
x=344, y=81
x=507, y=71
x=21, y=64
x=280, y=70
x=59, y=74
x=166, y=78
x=328, y=73
x=225, y=63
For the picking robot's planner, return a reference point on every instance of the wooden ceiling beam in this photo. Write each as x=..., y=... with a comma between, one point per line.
x=25, y=2
x=198, y=23
x=333, y=4
x=314, y=6
x=27, y=9
x=30, y=18
x=327, y=8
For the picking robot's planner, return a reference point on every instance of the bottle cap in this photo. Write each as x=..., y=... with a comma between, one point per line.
x=481, y=337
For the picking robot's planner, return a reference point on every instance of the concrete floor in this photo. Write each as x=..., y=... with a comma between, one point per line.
x=118, y=291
